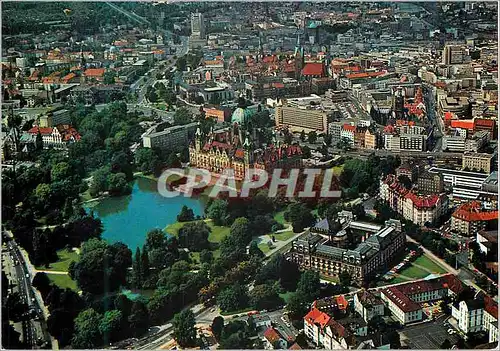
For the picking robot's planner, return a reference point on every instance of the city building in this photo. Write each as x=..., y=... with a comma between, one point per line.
x=430, y=183
x=408, y=138
x=273, y=340
x=464, y=185
x=477, y=162
x=297, y=118
x=487, y=241
x=55, y=118
x=58, y=137
x=198, y=26
x=454, y=54
x=478, y=314
x=219, y=114
x=171, y=138
x=420, y=209
x=347, y=133
x=232, y=148
x=409, y=170
x=404, y=301
x=470, y=217
x=368, y=305
x=374, y=253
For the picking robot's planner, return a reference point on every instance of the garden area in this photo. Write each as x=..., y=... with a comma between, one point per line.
x=61, y=266
x=418, y=269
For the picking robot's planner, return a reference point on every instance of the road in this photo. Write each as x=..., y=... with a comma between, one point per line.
x=34, y=330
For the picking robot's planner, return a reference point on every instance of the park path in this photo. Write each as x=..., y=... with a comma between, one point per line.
x=51, y=272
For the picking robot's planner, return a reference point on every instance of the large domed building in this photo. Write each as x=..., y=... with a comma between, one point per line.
x=242, y=114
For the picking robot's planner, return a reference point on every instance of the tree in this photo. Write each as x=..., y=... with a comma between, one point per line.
x=303, y=135
x=344, y=144
x=309, y=285
x=297, y=305
x=100, y=262
x=147, y=161
x=306, y=152
x=264, y=297
x=194, y=236
x=39, y=141
x=254, y=250
x=136, y=269
x=232, y=298
x=43, y=193
x=185, y=215
x=312, y=137
x=109, y=77
x=118, y=185
x=182, y=116
x=139, y=318
x=110, y=325
x=184, y=328
x=218, y=212
x=206, y=256
x=99, y=181
x=345, y=278
x=300, y=216
x=288, y=138
x=240, y=231
x=217, y=327
x=87, y=332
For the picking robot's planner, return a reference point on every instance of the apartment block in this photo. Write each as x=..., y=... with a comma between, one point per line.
x=477, y=162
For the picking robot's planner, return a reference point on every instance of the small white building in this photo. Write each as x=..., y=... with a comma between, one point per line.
x=368, y=305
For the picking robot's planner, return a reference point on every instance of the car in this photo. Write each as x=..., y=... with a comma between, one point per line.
x=451, y=331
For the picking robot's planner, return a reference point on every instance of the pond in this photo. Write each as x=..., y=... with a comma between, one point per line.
x=129, y=218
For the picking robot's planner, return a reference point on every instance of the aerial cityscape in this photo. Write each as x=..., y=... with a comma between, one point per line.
x=249, y=175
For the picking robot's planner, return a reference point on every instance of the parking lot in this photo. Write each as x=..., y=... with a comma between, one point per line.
x=428, y=336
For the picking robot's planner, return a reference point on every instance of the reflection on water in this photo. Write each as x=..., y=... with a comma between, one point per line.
x=129, y=218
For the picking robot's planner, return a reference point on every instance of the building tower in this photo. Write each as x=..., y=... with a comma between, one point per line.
x=398, y=102
x=197, y=26
x=299, y=57
x=260, y=54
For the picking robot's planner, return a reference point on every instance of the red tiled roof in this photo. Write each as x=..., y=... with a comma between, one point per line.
x=423, y=201
x=349, y=127
x=464, y=124
x=448, y=116
x=401, y=300
x=489, y=123
x=68, y=132
x=68, y=77
x=472, y=212
x=342, y=302
x=239, y=153
x=272, y=335
x=94, y=72
x=315, y=316
x=491, y=306
x=364, y=75
x=313, y=69
x=295, y=347
x=43, y=131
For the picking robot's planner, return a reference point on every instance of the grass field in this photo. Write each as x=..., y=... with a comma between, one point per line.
x=264, y=247
x=279, y=217
x=414, y=272
x=65, y=258
x=283, y=236
x=426, y=262
x=286, y=296
x=63, y=281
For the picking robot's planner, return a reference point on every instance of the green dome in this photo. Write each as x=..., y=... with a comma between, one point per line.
x=241, y=115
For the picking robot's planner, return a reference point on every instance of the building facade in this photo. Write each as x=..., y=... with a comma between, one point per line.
x=477, y=162
x=172, y=138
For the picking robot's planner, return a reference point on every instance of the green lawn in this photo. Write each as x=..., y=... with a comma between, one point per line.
x=279, y=217
x=264, y=247
x=286, y=296
x=414, y=272
x=244, y=311
x=65, y=258
x=337, y=170
x=334, y=280
x=63, y=281
x=283, y=236
x=426, y=262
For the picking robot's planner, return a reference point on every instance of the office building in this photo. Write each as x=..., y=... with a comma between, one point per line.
x=430, y=183
x=454, y=54
x=477, y=162
x=198, y=26
x=375, y=254
x=470, y=218
x=172, y=138
x=302, y=118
